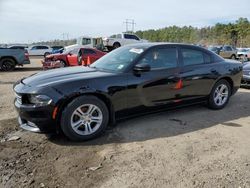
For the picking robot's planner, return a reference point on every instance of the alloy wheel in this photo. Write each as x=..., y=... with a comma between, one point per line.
x=221, y=94
x=86, y=119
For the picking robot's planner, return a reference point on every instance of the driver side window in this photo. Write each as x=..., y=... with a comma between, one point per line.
x=161, y=58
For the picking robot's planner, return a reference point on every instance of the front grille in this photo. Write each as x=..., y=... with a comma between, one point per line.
x=19, y=98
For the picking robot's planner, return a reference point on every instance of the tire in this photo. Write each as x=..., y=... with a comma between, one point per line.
x=218, y=93
x=109, y=48
x=79, y=60
x=116, y=45
x=63, y=64
x=233, y=57
x=7, y=64
x=75, y=114
x=46, y=53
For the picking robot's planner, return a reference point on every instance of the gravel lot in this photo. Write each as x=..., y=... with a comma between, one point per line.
x=188, y=147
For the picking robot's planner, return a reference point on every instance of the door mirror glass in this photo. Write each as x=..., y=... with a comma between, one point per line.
x=142, y=67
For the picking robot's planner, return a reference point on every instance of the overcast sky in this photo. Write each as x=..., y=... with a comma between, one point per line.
x=33, y=20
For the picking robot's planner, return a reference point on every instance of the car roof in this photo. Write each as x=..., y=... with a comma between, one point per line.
x=39, y=45
x=152, y=44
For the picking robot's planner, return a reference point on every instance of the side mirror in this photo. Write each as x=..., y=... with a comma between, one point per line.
x=142, y=67
x=70, y=54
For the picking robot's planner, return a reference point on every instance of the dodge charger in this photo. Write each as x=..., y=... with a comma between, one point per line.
x=131, y=80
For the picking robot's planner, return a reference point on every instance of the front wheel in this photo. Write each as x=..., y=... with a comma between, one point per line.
x=219, y=95
x=85, y=118
x=46, y=54
x=116, y=45
x=233, y=57
x=63, y=64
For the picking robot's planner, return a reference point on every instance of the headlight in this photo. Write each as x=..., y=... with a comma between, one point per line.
x=40, y=100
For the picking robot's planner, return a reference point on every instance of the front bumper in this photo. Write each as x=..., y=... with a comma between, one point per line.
x=35, y=119
x=245, y=81
x=50, y=64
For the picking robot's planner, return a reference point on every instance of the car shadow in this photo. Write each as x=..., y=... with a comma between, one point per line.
x=25, y=69
x=168, y=123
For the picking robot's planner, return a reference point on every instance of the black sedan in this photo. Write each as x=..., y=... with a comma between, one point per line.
x=132, y=80
x=245, y=82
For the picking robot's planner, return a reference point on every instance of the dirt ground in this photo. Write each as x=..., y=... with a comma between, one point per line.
x=188, y=147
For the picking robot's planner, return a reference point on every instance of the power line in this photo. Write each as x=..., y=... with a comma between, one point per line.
x=130, y=23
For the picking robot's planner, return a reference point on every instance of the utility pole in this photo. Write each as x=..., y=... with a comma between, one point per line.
x=65, y=36
x=130, y=23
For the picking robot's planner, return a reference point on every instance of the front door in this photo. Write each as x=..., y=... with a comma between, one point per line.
x=158, y=86
x=226, y=52
x=72, y=57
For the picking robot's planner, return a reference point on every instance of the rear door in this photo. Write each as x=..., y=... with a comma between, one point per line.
x=197, y=73
x=33, y=50
x=89, y=53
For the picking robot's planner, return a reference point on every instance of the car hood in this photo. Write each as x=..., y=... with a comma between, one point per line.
x=55, y=55
x=62, y=75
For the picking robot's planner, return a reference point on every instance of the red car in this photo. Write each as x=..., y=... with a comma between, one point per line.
x=75, y=57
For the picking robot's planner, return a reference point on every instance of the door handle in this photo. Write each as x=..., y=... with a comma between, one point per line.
x=196, y=78
x=213, y=71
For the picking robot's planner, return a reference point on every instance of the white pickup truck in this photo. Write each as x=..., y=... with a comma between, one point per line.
x=115, y=41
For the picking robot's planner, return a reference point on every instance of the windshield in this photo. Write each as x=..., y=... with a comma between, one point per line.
x=118, y=60
x=213, y=48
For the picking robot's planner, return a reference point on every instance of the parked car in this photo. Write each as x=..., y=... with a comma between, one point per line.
x=214, y=49
x=18, y=47
x=243, y=54
x=131, y=80
x=39, y=50
x=245, y=82
x=10, y=58
x=89, y=53
x=228, y=52
x=57, y=49
x=72, y=58
x=115, y=41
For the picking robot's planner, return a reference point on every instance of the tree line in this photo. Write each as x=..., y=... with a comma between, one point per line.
x=236, y=34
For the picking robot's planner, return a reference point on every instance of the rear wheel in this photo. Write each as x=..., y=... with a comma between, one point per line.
x=7, y=64
x=116, y=45
x=85, y=118
x=219, y=95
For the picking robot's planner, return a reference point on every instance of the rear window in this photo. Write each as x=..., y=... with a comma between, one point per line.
x=86, y=41
x=42, y=47
x=194, y=57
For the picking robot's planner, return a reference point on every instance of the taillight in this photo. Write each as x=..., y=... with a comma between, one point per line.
x=26, y=54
